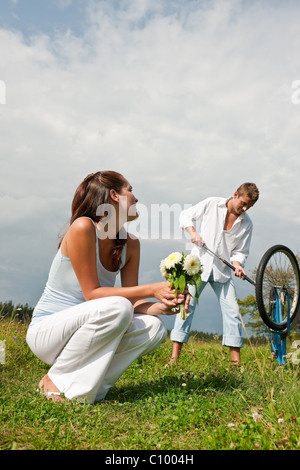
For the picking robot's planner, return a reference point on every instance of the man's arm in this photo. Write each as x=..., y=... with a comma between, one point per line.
x=240, y=254
x=195, y=237
x=188, y=216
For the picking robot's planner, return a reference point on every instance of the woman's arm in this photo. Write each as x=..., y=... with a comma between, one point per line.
x=80, y=242
x=154, y=308
x=129, y=277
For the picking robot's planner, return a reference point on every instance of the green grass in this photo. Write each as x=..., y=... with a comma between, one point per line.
x=202, y=402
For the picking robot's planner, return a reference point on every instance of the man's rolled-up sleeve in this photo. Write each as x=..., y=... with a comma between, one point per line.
x=189, y=216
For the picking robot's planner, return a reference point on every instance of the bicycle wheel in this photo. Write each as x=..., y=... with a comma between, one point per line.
x=278, y=270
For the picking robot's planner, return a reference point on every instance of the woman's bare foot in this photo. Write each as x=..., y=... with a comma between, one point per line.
x=47, y=387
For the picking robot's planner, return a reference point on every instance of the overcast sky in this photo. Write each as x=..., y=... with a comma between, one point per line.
x=186, y=98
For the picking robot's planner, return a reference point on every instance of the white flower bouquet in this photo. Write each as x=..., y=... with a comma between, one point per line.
x=180, y=270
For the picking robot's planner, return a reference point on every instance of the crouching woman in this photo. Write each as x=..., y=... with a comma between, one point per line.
x=85, y=328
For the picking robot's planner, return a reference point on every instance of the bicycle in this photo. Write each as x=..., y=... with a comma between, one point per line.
x=277, y=292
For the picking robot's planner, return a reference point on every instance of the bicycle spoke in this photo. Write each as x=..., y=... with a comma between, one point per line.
x=277, y=287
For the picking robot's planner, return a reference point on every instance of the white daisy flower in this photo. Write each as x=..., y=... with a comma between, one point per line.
x=192, y=264
x=163, y=269
x=172, y=260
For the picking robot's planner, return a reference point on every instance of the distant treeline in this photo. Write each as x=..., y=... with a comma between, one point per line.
x=23, y=314
x=9, y=311
x=199, y=335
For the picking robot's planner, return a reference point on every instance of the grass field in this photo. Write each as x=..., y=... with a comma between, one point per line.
x=202, y=402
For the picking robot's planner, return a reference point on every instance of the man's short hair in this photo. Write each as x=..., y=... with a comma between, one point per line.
x=250, y=190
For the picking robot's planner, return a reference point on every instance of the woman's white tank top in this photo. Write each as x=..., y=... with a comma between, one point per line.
x=63, y=289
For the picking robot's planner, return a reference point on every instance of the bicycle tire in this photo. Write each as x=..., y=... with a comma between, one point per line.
x=262, y=281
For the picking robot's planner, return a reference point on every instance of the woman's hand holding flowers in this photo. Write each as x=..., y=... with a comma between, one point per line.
x=181, y=270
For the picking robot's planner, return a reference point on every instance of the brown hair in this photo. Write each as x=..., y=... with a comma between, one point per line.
x=250, y=190
x=91, y=193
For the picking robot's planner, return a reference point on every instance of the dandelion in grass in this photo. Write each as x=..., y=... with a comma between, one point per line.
x=181, y=270
x=256, y=416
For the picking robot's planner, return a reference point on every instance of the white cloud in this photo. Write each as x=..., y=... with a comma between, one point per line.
x=187, y=99
x=64, y=3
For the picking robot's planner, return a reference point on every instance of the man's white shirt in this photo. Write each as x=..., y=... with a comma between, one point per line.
x=231, y=245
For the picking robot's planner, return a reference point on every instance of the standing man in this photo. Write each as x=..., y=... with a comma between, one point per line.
x=226, y=229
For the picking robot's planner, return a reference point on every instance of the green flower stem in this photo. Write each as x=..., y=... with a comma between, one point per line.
x=182, y=311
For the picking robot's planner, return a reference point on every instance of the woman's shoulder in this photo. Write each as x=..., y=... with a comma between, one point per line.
x=82, y=226
x=133, y=244
x=81, y=231
x=132, y=240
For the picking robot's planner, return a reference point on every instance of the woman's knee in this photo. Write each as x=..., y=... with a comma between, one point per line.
x=117, y=311
x=113, y=303
x=122, y=313
x=125, y=310
x=158, y=330
x=163, y=333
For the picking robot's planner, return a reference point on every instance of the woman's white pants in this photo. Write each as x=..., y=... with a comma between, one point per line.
x=91, y=344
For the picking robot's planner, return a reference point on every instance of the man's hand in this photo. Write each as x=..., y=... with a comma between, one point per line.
x=195, y=237
x=239, y=270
